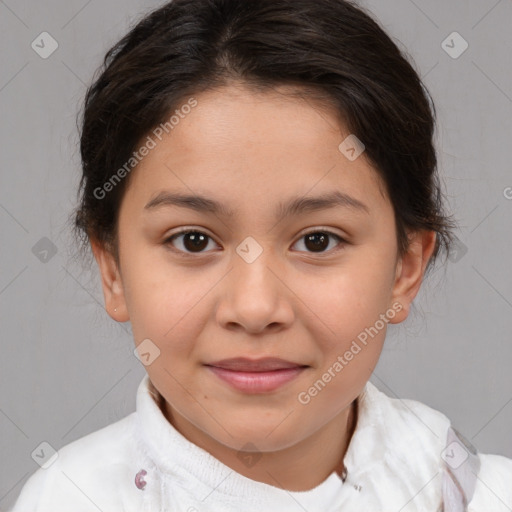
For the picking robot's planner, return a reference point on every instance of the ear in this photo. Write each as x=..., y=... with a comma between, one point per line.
x=111, y=282
x=410, y=271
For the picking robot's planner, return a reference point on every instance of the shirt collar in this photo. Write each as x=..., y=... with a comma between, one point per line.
x=372, y=445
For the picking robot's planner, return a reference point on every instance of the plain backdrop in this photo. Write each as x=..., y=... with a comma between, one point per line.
x=67, y=369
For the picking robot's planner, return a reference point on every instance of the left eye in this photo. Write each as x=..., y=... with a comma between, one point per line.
x=196, y=241
x=318, y=241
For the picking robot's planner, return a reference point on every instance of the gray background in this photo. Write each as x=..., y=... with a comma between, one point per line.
x=67, y=369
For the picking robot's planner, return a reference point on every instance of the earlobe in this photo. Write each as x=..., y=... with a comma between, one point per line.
x=111, y=282
x=410, y=271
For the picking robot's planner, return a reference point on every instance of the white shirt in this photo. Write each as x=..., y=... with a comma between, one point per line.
x=395, y=462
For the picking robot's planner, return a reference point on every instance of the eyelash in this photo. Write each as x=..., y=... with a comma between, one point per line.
x=168, y=241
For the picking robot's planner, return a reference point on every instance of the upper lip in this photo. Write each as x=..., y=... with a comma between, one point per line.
x=244, y=364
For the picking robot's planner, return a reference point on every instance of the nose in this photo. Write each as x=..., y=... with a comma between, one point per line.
x=255, y=297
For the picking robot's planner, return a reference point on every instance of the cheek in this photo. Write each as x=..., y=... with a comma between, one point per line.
x=160, y=300
x=173, y=312
x=348, y=298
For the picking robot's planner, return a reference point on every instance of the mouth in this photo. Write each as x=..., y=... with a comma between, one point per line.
x=265, y=364
x=256, y=375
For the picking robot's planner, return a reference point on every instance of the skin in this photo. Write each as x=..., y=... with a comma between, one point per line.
x=250, y=151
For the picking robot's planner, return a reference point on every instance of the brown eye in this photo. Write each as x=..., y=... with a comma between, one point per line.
x=319, y=241
x=192, y=241
x=196, y=242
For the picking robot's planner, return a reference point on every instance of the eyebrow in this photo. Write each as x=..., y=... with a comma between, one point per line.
x=294, y=206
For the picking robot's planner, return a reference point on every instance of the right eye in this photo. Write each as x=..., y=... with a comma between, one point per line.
x=192, y=241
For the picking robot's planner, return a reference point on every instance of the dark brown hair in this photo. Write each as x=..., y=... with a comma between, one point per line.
x=330, y=50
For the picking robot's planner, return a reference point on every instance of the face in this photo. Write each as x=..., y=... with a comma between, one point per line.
x=315, y=285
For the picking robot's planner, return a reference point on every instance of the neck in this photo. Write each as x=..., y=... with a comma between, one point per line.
x=290, y=468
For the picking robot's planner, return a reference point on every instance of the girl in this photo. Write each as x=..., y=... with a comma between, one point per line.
x=260, y=193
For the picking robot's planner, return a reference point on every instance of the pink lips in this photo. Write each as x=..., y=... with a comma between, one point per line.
x=256, y=376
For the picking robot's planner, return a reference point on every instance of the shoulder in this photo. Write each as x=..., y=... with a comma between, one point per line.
x=486, y=479
x=84, y=473
x=493, y=490
x=416, y=443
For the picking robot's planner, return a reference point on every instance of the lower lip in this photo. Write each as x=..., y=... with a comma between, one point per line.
x=257, y=382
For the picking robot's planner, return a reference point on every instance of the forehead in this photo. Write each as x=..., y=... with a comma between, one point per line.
x=238, y=144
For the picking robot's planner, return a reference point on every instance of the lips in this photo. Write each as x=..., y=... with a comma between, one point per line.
x=255, y=376
x=266, y=364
